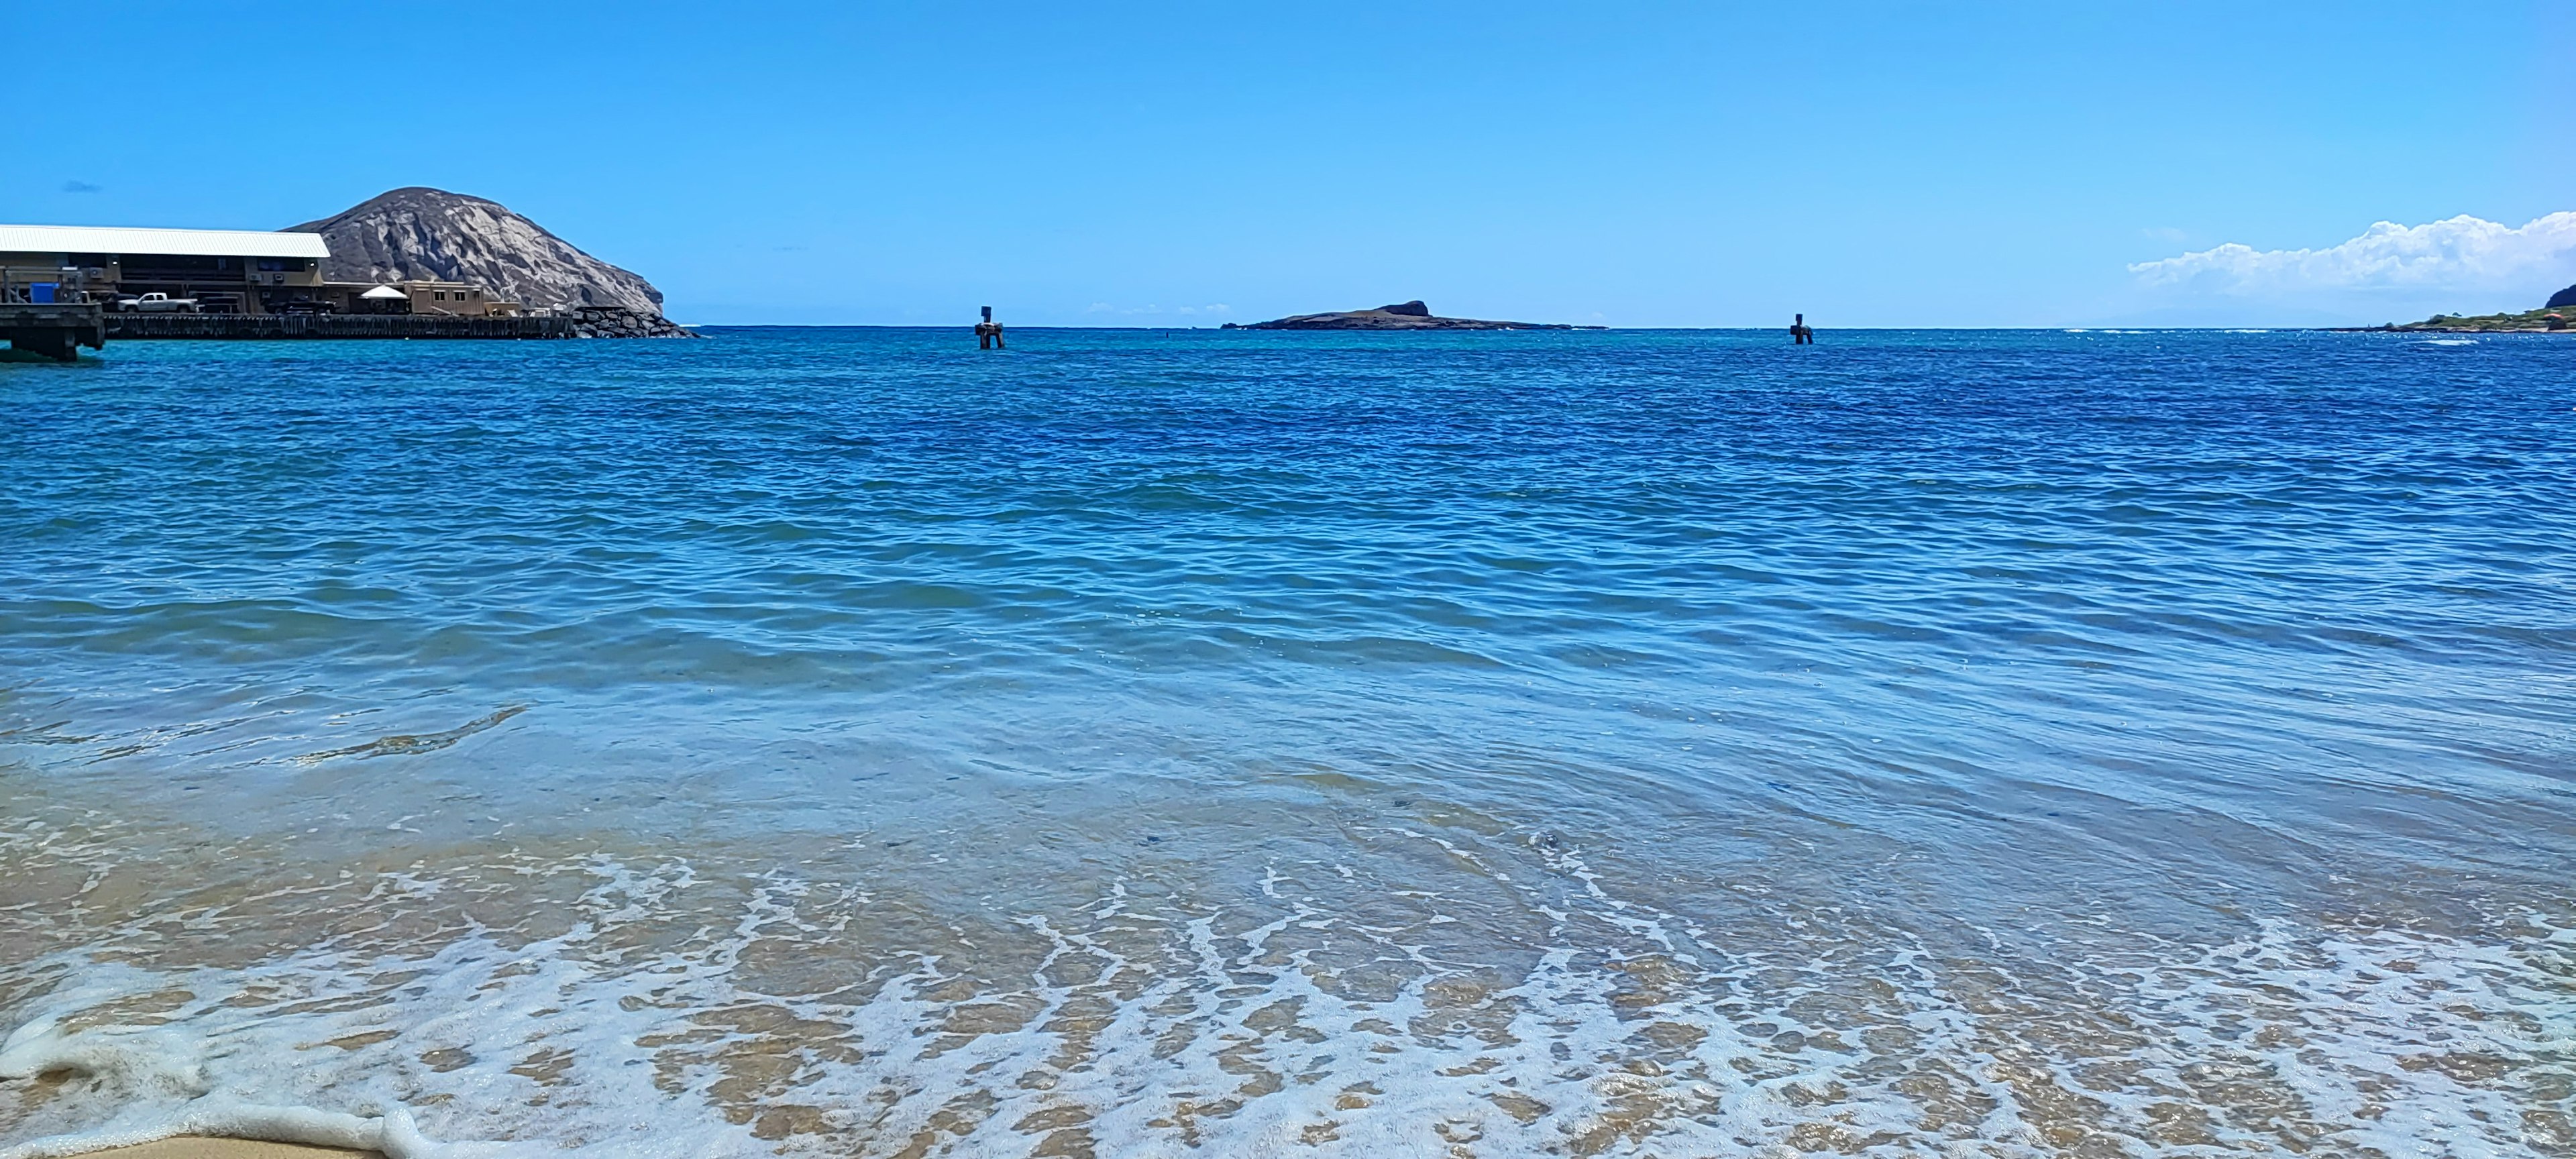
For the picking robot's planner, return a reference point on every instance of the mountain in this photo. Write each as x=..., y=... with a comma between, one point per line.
x=2566, y=297
x=1400, y=316
x=431, y=234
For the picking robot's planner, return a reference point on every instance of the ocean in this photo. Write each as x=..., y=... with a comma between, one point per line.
x=1146, y=743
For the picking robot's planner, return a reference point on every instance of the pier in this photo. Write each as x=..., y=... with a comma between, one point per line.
x=53, y=329
x=58, y=330
x=301, y=326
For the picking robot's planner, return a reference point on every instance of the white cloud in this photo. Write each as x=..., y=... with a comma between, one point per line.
x=2459, y=253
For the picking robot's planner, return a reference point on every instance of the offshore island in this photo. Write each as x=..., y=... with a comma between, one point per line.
x=1411, y=315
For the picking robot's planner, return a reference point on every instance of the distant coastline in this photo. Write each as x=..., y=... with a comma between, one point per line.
x=2554, y=317
x=2542, y=321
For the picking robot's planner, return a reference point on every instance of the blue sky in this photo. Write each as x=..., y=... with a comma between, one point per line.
x=1628, y=164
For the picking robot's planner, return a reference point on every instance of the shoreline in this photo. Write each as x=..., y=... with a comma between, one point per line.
x=226, y=1147
x=2438, y=330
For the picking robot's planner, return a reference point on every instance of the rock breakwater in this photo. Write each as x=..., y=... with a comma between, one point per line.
x=621, y=322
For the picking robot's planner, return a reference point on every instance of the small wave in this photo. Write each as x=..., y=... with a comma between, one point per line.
x=44, y=734
x=392, y=1135
x=411, y=744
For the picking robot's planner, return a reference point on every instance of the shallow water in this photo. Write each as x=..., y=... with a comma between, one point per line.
x=1136, y=743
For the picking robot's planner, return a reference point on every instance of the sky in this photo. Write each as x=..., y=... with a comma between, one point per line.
x=1192, y=164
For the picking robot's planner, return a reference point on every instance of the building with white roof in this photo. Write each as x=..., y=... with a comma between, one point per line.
x=229, y=270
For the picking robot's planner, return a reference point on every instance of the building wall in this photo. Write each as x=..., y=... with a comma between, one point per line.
x=18, y=269
x=448, y=298
x=240, y=283
x=20, y=272
x=236, y=281
x=302, y=273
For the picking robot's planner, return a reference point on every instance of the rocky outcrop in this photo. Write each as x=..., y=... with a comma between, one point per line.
x=620, y=322
x=431, y=234
x=2561, y=299
x=1400, y=316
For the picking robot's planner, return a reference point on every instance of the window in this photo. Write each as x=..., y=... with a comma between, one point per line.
x=441, y=295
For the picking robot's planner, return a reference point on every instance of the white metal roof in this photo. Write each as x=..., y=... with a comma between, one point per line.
x=111, y=239
x=384, y=292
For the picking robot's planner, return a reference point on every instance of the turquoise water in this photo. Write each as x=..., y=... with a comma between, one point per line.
x=1634, y=743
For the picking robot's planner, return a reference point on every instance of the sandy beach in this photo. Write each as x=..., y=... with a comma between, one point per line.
x=192, y=1147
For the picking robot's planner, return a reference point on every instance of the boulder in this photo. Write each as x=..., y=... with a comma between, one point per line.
x=620, y=322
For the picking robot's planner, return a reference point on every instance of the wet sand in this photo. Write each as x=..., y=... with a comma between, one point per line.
x=189, y=1147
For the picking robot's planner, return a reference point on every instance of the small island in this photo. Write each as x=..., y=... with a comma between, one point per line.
x=1411, y=315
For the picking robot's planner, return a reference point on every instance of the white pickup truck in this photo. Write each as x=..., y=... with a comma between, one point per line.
x=157, y=302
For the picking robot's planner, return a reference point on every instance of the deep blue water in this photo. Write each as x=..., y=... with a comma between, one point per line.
x=2050, y=658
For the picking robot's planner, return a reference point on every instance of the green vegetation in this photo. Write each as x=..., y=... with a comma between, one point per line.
x=2563, y=318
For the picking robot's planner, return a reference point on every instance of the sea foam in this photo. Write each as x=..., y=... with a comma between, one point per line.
x=1212, y=1033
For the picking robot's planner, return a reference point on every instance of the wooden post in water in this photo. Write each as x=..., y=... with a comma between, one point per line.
x=988, y=333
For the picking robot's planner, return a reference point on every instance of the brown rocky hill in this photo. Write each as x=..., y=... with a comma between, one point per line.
x=422, y=233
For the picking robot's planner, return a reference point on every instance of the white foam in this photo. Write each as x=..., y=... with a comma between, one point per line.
x=157, y=1079
x=394, y=1136
x=1240, y=1033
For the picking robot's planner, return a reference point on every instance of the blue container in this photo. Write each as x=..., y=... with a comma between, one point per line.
x=41, y=292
